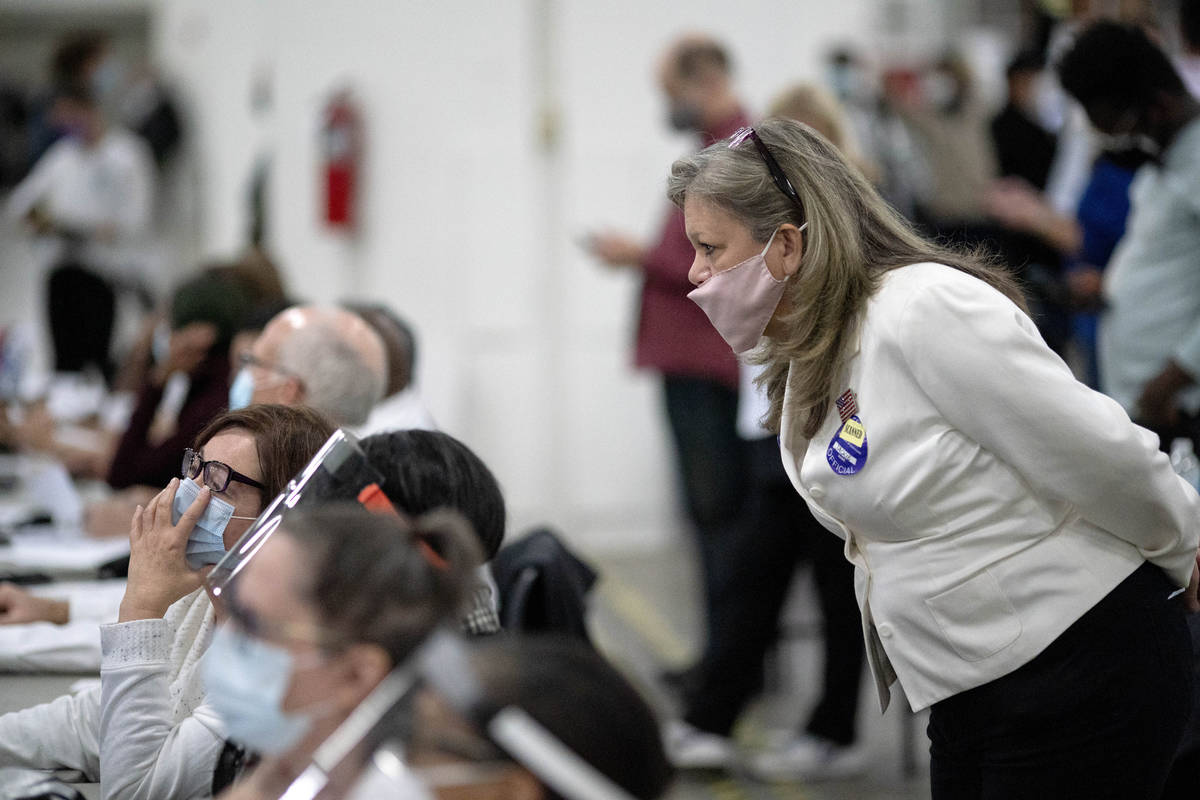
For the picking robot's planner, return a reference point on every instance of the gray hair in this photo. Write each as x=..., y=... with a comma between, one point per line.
x=337, y=382
x=853, y=237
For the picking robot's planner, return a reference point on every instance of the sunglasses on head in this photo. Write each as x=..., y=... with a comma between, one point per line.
x=778, y=176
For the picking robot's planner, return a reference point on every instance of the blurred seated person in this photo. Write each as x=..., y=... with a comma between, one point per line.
x=426, y=470
x=317, y=616
x=574, y=727
x=323, y=357
x=18, y=605
x=179, y=372
x=257, y=281
x=251, y=327
x=188, y=385
x=401, y=407
x=147, y=731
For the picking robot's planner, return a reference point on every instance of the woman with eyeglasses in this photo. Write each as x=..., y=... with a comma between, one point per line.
x=318, y=616
x=1016, y=539
x=147, y=731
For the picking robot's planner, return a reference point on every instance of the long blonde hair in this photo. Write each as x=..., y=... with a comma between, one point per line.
x=853, y=238
x=817, y=108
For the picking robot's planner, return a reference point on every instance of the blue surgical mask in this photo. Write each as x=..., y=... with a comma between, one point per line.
x=246, y=680
x=242, y=390
x=160, y=346
x=206, y=542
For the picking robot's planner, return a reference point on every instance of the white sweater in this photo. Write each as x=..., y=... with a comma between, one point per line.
x=145, y=734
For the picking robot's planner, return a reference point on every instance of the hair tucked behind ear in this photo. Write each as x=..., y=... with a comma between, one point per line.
x=382, y=579
x=853, y=238
x=285, y=438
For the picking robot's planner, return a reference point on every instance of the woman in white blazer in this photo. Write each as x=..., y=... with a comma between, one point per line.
x=1015, y=537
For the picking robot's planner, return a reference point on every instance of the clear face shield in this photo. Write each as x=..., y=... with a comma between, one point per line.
x=339, y=471
x=382, y=729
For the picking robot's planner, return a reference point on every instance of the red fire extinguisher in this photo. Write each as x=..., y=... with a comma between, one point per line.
x=341, y=153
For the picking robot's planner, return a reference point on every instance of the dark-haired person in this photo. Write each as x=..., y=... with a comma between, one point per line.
x=426, y=470
x=1017, y=541
x=568, y=690
x=318, y=617
x=204, y=314
x=147, y=732
x=699, y=373
x=401, y=407
x=1150, y=333
x=1024, y=148
x=1149, y=344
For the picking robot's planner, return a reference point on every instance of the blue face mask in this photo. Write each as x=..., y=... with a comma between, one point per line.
x=160, y=346
x=246, y=680
x=242, y=390
x=206, y=542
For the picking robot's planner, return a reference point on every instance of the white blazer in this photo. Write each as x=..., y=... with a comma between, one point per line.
x=987, y=498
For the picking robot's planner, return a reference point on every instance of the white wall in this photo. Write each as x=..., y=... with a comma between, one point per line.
x=471, y=214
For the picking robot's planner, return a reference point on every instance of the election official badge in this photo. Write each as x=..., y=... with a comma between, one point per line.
x=847, y=453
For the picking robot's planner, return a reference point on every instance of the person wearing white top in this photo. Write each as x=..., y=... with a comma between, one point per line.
x=148, y=732
x=1150, y=331
x=1149, y=343
x=88, y=201
x=1015, y=538
x=97, y=185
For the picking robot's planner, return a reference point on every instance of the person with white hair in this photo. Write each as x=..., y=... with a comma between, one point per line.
x=325, y=358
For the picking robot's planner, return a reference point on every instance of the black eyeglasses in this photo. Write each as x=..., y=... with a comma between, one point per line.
x=217, y=474
x=777, y=174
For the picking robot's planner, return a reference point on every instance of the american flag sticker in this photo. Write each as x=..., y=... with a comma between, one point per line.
x=847, y=405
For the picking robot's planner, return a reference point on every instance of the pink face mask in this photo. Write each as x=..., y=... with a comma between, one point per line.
x=741, y=300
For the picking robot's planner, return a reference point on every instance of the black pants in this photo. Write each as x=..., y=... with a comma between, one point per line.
x=1098, y=714
x=711, y=460
x=82, y=310
x=777, y=533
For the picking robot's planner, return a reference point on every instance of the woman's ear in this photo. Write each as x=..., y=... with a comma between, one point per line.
x=792, y=250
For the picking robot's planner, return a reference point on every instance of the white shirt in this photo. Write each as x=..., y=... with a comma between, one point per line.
x=1152, y=283
x=109, y=184
x=403, y=411
x=998, y=499
x=146, y=733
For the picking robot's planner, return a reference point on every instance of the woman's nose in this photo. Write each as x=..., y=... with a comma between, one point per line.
x=698, y=273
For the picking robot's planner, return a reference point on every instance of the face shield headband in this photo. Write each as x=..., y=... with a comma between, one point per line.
x=339, y=471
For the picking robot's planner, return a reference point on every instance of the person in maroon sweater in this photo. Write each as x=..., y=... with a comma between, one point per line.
x=674, y=337
x=205, y=311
